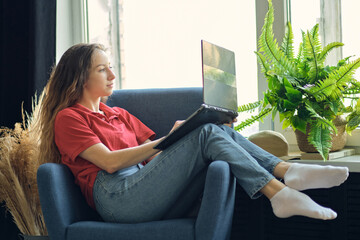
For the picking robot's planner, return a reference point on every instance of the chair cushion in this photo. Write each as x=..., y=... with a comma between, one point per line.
x=177, y=229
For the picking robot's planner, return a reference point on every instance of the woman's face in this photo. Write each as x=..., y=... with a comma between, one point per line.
x=101, y=78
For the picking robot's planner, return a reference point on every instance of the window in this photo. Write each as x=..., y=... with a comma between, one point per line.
x=323, y=12
x=157, y=43
x=159, y=40
x=349, y=9
x=104, y=25
x=162, y=38
x=300, y=21
x=336, y=19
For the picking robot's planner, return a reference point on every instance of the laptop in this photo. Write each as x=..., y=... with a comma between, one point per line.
x=219, y=93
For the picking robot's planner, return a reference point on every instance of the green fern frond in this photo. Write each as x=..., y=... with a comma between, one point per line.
x=353, y=87
x=300, y=54
x=324, y=123
x=324, y=89
x=315, y=32
x=351, y=91
x=344, y=74
x=248, y=122
x=250, y=107
x=355, y=83
x=288, y=41
x=343, y=61
x=269, y=47
x=328, y=48
x=335, y=82
x=293, y=80
x=353, y=121
x=263, y=63
x=357, y=106
x=320, y=138
x=312, y=48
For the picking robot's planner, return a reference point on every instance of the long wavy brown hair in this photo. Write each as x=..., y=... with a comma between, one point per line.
x=64, y=89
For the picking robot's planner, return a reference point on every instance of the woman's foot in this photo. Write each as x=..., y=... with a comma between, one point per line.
x=289, y=202
x=310, y=176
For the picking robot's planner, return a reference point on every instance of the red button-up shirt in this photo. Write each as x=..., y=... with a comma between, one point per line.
x=78, y=128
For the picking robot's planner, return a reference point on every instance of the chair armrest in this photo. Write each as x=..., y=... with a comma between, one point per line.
x=61, y=200
x=215, y=216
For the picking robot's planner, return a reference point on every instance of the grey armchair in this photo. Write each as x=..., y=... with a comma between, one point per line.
x=67, y=216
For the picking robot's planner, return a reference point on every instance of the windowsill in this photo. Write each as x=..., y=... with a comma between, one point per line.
x=352, y=162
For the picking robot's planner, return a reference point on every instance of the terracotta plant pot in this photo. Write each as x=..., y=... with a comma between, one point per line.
x=338, y=141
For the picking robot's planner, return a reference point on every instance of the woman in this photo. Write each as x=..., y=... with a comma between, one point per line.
x=107, y=148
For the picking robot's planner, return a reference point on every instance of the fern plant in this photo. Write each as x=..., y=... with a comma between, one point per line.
x=304, y=91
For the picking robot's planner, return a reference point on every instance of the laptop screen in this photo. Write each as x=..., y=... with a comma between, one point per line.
x=219, y=78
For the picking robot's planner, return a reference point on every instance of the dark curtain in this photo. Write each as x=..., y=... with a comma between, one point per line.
x=27, y=43
x=28, y=29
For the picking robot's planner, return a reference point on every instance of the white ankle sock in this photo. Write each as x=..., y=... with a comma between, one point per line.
x=289, y=202
x=310, y=176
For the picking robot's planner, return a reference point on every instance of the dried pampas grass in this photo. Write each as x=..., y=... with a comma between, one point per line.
x=19, y=150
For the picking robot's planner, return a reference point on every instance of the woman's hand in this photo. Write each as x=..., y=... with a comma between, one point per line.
x=230, y=123
x=176, y=125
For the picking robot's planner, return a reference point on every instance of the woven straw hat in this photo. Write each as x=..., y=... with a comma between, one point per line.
x=272, y=142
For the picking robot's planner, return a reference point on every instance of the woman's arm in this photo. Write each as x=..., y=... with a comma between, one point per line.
x=231, y=123
x=111, y=161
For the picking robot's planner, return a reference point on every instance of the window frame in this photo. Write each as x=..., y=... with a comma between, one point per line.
x=71, y=27
x=279, y=31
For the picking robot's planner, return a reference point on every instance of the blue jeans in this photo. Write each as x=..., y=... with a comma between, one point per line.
x=168, y=185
